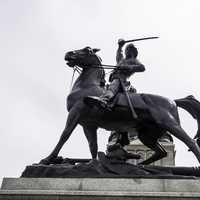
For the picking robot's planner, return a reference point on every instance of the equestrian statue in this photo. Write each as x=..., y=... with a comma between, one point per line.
x=94, y=105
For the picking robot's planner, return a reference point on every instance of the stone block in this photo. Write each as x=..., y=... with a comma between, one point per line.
x=99, y=188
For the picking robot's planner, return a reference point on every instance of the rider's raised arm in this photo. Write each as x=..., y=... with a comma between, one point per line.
x=119, y=55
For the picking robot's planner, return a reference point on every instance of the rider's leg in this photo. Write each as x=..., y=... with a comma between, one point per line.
x=111, y=91
x=103, y=100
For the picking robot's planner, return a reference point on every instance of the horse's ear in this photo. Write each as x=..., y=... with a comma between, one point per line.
x=95, y=50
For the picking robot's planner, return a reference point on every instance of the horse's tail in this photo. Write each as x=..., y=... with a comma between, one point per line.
x=192, y=105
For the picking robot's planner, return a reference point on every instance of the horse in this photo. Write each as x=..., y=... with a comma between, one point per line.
x=156, y=114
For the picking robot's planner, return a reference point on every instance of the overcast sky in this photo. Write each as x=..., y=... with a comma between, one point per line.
x=34, y=81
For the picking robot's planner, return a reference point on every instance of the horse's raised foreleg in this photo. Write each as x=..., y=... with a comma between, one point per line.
x=71, y=123
x=91, y=135
x=159, y=154
x=153, y=144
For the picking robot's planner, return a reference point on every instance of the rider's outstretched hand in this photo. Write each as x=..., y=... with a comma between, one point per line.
x=121, y=42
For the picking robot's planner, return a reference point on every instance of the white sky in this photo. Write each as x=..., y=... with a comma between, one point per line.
x=34, y=36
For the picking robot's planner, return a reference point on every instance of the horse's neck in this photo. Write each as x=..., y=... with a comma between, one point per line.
x=87, y=84
x=88, y=78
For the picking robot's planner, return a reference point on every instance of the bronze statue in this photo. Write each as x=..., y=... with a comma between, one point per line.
x=155, y=114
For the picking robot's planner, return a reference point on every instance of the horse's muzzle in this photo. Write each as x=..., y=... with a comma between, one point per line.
x=69, y=56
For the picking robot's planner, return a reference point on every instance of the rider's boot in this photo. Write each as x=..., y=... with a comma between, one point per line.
x=101, y=101
x=104, y=99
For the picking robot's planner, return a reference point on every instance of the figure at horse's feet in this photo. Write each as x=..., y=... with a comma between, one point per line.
x=115, y=147
x=125, y=68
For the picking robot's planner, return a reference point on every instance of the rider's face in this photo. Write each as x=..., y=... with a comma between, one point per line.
x=128, y=52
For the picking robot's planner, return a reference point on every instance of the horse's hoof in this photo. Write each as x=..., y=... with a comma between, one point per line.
x=48, y=161
x=45, y=161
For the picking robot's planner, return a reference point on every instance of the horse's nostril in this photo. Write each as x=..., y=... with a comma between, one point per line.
x=66, y=57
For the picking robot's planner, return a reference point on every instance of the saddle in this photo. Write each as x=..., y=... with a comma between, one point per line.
x=136, y=100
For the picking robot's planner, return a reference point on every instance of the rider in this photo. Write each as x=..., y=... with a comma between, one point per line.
x=126, y=67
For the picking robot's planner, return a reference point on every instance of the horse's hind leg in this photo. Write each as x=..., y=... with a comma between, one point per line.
x=179, y=133
x=71, y=123
x=91, y=135
x=153, y=144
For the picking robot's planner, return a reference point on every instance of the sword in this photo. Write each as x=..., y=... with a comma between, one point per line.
x=139, y=39
x=128, y=99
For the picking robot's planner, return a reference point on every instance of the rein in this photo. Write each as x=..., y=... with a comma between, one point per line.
x=111, y=66
x=75, y=68
x=102, y=66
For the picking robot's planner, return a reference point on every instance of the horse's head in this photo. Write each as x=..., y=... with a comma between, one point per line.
x=83, y=58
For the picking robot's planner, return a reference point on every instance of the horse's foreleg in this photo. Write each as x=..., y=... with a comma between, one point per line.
x=91, y=135
x=71, y=123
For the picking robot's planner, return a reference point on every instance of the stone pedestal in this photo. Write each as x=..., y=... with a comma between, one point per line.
x=130, y=188
x=137, y=147
x=99, y=189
